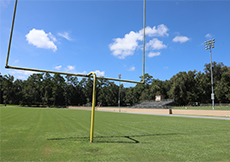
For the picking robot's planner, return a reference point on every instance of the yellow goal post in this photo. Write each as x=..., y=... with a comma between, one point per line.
x=91, y=74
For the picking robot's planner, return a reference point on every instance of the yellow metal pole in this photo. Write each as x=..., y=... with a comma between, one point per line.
x=143, y=77
x=93, y=105
x=64, y=73
x=11, y=33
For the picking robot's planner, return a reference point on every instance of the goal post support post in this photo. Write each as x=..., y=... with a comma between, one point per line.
x=93, y=105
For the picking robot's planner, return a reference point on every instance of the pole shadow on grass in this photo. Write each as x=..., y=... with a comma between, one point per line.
x=112, y=139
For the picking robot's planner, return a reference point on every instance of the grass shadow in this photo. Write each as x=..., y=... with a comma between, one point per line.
x=112, y=139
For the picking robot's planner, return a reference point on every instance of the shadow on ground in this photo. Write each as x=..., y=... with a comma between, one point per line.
x=113, y=139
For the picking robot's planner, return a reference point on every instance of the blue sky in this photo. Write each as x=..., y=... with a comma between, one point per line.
x=106, y=36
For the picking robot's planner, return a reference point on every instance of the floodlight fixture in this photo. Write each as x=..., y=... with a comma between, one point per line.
x=210, y=46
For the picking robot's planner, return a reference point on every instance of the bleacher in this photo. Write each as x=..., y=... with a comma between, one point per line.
x=163, y=104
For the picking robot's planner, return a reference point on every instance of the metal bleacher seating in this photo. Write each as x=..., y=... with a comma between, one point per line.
x=164, y=104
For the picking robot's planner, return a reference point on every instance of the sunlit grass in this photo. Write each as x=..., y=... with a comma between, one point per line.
x=40, y=134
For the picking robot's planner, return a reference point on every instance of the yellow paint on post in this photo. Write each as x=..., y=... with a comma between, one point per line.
x=11, y=33
x=93, y=105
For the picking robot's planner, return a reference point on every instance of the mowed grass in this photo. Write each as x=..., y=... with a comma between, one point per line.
x=36, y=134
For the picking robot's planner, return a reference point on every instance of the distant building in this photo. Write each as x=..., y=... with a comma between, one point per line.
x=159, y=97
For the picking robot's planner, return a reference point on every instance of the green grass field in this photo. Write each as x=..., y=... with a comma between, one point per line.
x=43, y=134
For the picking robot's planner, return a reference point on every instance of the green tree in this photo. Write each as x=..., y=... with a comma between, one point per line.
x=1, y=85
x=222, y=89
x=7, y=89
x=46, y=89
x=73, y=91
x=184, y=88
x=88, y=89
x=108, y=95
x=58, y=90
x=18, y=86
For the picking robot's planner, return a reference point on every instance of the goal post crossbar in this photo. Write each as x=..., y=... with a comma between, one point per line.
x=72, y=74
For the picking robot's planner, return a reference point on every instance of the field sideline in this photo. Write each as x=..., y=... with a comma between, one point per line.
x=45, y=134
x=207, y=112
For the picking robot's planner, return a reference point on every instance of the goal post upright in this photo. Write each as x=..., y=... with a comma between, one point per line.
x=93, y=105
x=11, y=33
x=144, y=12
x=91, y=74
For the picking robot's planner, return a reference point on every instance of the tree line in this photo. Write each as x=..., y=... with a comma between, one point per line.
x=58, y=90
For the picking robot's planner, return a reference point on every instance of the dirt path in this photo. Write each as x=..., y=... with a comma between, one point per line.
x=223, y=113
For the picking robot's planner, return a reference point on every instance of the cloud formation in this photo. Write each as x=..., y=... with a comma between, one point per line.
x=22, y=74
x=208, y=36
x=58, y=67
x=160, y=30
x=70, y=68
x=65, y=35
x=153, y=54
x=40, y=39
x=155, y=44
x=181, y=39
x=16, y=61
x=100, y=73
x=123, y=47
x=132, y=68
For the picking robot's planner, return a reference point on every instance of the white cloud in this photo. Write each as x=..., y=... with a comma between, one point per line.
x=153, y=54
x=100, y=73
x=84, y=72
x=155, y=44
x=52, y=37
x=160, y=30
x=58, y=67
x=70, y=68
x=23, y=72
x=65, y=35
x=16, y=61
x=132, y=68
x=40, y=39
x=180, y=39
x=208, y=36
x=123, y=47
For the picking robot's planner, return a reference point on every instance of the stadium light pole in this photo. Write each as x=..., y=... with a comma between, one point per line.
x=119, y=96
x=209, y=45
